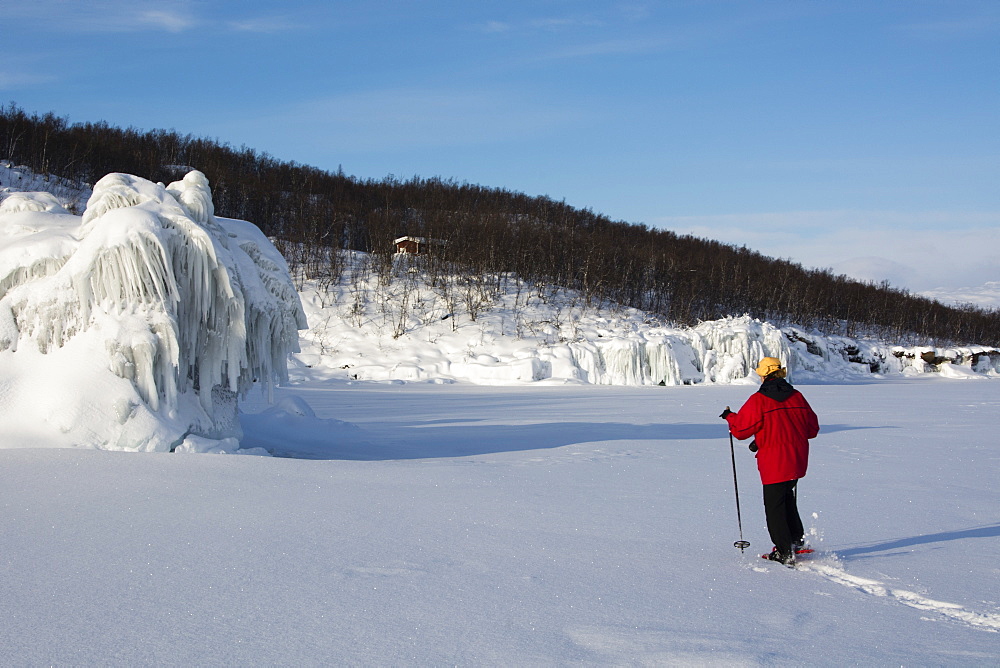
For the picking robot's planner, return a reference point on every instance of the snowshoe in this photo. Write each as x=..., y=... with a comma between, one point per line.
x=780, y=557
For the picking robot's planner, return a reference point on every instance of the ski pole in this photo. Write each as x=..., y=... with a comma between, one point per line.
x=742, y=544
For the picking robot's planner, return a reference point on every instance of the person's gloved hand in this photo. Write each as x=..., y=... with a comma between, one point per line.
x=753, y=445
x=726, y=413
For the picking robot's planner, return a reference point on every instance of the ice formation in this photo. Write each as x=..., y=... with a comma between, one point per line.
x=162, y=312
x=559, y=340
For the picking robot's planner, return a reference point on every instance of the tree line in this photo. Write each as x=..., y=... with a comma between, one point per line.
x=491, y=234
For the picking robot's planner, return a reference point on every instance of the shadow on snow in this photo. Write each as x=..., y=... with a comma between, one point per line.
x=865, y=551
x=430, y=439
x=459, y=438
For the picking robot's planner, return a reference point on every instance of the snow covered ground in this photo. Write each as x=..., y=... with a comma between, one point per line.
x=538, y=525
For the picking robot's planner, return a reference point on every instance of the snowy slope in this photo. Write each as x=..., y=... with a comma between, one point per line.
x=71, y=195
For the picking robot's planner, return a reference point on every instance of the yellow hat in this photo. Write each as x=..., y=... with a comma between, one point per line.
x=770, y=366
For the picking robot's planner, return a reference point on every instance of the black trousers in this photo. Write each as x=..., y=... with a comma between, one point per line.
x=783, y=521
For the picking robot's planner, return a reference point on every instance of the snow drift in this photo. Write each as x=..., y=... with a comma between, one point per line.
x=139, y=324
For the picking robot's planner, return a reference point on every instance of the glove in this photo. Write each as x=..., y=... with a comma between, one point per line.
x=753, y=445
x=726, y=413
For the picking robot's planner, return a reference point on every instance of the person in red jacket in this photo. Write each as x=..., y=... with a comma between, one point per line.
x=782, y=422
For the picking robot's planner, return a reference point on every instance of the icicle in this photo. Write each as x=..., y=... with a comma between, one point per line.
x=734, y=345
x=625, y=362
x=8, y=329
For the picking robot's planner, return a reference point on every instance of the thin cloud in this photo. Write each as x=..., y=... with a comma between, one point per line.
x=615, y=47
x=169, y=21
x=409, y=118
x=564, y=23
x=542, y=24
x=620, y=13
x=265, y=25
x=957, y=28
x=11, y=80
x=783, y=221
x=635, y=11
x=918, y=251
x=105, y=15
x=600, y=34
x=496, y=27
x=120, y=16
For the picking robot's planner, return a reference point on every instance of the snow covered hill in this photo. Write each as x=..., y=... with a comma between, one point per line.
x=405, y=327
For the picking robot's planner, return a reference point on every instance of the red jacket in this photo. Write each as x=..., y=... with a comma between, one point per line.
x=783, y=422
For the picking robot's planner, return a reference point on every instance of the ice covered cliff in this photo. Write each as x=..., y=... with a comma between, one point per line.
x=138, y=325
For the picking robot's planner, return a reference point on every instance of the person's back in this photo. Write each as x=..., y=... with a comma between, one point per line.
x=782, y=422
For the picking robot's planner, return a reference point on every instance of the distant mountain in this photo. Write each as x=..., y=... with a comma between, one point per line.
x=986, y=295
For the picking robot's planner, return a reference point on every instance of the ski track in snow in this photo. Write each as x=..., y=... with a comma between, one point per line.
x=827, y=568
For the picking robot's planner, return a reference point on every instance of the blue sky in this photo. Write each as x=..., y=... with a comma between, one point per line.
x=861, y=136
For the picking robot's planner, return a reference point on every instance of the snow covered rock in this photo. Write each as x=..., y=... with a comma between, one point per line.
x=144, y=320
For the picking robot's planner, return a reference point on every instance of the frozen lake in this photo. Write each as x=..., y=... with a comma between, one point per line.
x=529, y=525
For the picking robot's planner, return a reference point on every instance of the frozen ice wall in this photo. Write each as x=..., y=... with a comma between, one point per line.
x=140, y=324
x=731, y=348
x=644, y=358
